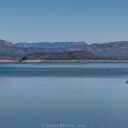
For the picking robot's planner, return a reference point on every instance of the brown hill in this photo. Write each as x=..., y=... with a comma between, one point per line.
x=76, y=55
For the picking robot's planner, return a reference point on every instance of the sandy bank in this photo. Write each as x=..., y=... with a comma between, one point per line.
x=74, y=60
x=27, y=61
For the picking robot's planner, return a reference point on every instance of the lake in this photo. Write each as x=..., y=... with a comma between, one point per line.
x=64, y=95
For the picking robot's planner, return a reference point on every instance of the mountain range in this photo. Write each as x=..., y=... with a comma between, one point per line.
x=49, y=44
x=111, y=50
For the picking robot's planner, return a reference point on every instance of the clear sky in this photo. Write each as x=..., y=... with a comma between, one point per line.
x=64, y=20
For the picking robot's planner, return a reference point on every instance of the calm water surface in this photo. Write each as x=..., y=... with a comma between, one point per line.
x=63, y=95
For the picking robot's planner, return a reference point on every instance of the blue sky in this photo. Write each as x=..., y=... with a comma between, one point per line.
x=64, y=20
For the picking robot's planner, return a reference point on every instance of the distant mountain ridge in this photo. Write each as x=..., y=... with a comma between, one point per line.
x=49, y=44
x=111, y=50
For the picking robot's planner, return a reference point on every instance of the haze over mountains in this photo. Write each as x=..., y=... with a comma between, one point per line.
x=112, y=50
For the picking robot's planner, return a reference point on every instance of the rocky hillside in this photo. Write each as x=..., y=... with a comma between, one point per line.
x=10, y=49
x=76, y=55
x=118, y=50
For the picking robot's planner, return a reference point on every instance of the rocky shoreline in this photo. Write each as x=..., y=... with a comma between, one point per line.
x=74, y=61
x=4, y=61
x=34, y=61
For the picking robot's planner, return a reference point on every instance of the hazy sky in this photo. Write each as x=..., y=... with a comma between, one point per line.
x=64, y=20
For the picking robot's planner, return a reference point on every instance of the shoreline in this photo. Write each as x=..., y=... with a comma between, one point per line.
x=34, y=61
